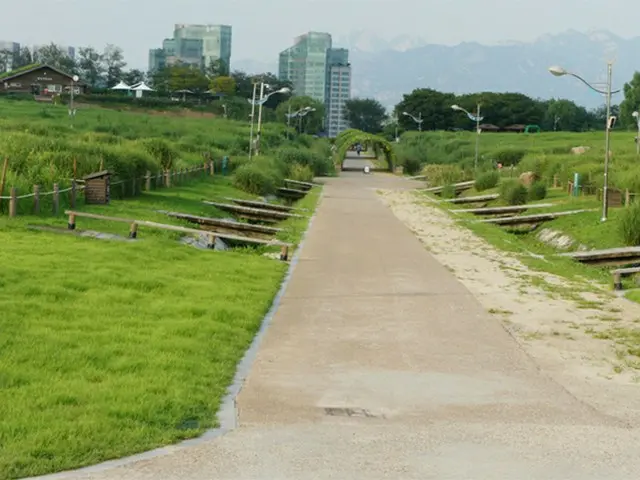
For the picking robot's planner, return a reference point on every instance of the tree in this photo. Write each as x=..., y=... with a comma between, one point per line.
x=23, y=58
x=180, y=77
x=6, y=60
x=311, y=123
x=114, y=64
x=365, y=114
x=55, y=56
x=91, y=67
x=216, y=67
x=133, y=76
x=631, y=102
x=565, y=115
x=223, y=85
x=434, y=106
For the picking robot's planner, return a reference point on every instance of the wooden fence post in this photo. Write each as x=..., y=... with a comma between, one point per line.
x=168, y=178
x=204, y=169
x=211, y=168
x=147, y=181
x=3, y=177
x=36, y=199
x=13, y=202
x=627, y=198
x=73, y=192
x=56, y=198
x=555, y=181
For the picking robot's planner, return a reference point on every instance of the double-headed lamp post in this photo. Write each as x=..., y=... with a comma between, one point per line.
x=636, y=115
x=418, y=120
x=298, y=114
x=260, y=102
x=476, y=118
x=560, y=72
x=72, y=108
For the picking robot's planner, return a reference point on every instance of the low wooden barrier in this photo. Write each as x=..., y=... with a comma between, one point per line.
x=606, y=257
x=256, y=214
x=499, y=210
x=225, y=226
x=530, y=219
x=291, y=193
x=476, y=199
x=458, y=187
x=211, y=236
x=303, y=185
x=619, y=273
x=263, y=205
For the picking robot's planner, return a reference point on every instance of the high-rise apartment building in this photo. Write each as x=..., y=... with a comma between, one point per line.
x=198, y=45
x=317, y=70
x=338, y=90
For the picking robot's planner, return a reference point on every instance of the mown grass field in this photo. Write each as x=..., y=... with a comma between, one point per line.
x=109, y=348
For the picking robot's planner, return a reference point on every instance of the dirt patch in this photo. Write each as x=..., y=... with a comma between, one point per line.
x=571, y=328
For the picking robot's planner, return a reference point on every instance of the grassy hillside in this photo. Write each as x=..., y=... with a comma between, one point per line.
x=42, y=142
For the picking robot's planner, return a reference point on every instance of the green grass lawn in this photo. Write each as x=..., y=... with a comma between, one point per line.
x=111, y=348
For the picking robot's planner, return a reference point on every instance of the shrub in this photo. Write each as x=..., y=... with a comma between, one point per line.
x=487, y=180
x=442, y=174
x=255, y=178
x=163, y=152
x=513, y=192
x=537, y=191
x=412, y=165
x=509, y=156
x=301, y=173
x=629, y=226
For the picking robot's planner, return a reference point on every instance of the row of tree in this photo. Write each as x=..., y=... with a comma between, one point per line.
x=500, y=109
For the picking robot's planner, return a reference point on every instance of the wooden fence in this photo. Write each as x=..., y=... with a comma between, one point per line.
x=127, y=187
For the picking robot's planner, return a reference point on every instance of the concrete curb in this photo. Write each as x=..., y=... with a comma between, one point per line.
x=227, y=415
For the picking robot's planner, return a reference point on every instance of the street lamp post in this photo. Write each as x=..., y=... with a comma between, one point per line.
x=609, y=120
x=636, y=115
x=476, y=118
x=417, y=120
x=253, y=112
x=260, y=102
x=298, y=114
x=72, y=110
x=303, y=113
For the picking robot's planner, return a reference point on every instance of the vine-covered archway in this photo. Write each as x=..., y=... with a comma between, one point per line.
x=345, y=140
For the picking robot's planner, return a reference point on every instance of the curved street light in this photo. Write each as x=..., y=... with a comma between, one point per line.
x=418, y=120
x=557, y=71
x=475, y=118
x=260, y=102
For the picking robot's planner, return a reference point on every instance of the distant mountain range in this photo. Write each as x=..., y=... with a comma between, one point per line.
x=387, y=69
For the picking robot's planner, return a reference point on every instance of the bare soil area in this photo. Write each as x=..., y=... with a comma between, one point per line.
x=570, y=327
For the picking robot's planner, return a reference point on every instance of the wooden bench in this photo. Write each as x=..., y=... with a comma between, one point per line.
x=211, y=236
x=619, y=273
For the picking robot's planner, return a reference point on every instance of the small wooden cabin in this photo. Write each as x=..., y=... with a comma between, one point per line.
x=97, y=188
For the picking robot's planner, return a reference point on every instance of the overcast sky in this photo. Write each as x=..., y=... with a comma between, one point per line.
x=262, y=28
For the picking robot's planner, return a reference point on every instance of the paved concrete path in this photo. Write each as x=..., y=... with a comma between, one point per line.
x=355, y=161
x=438, y=389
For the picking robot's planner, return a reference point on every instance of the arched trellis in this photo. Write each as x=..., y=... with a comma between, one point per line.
x=345, y=140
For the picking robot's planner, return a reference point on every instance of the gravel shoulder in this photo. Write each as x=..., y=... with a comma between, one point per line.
x=570, y=328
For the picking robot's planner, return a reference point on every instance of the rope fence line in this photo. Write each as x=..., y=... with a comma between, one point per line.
x=137, y=185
